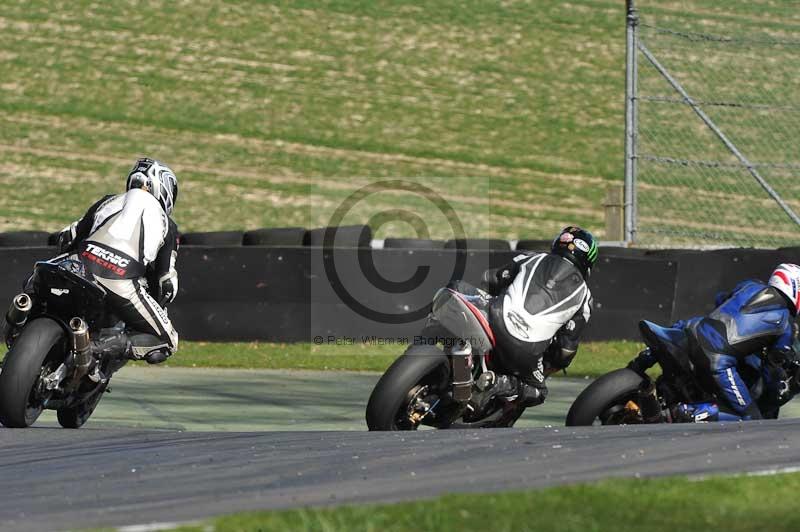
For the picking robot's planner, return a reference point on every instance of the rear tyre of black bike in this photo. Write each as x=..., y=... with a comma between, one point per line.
x=406, y=379
x=36, y=353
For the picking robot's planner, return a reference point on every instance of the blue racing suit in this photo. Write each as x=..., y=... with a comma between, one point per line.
x=752, y=317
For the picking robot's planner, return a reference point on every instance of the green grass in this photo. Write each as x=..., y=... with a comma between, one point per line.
x=273, y=112
x=593, y=359
x=733, y=504
x=277, y=122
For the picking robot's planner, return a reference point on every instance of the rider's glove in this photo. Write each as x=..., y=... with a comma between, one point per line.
x=66, y=237
x=168, y=288
x=496, y=279
x=489, y=280
x=643, y=361
x=784, y=357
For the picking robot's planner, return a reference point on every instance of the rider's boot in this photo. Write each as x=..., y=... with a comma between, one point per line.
x=110, y=349
x=696, y=412
x=533, y=393
x=490, y=385
x=112, y=343
x=507, y=388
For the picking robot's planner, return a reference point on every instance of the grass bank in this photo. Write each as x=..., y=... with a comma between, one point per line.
x=733, y=504
x=594, y=358
x=272, y=112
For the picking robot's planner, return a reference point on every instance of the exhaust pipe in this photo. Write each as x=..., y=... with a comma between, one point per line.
x=18, y=311
x=17, y=314
x=81, y=344
x=462, y=372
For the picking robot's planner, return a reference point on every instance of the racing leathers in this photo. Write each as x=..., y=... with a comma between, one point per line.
x=541, y=308
x=753, y=318
x=129, y=244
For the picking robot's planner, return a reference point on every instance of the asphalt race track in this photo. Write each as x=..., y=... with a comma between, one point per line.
x=104, y=475
x=56, y=478
x=259, y=400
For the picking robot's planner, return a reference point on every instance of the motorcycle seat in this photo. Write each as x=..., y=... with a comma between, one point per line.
x=668, y=341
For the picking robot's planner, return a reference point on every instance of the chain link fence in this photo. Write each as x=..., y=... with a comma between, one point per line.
x=714, y=135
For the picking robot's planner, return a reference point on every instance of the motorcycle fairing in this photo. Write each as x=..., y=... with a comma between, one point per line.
x=463, y=319
x=65, y=292
x=667, y=341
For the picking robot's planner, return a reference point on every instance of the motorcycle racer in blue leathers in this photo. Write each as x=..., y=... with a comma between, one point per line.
x=754, y=318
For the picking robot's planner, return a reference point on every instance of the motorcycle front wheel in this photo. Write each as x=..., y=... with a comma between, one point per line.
x=74, y=417
x=604, y=401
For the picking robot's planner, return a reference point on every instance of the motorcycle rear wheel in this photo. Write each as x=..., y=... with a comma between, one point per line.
x=36, y=353
x=420, y=365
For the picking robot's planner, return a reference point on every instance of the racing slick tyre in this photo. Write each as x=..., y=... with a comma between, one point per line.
x=275, y=237
x=344, y=236
x=213, y=238
x=24, y=239
x=412, y=243
x=36, y=353
x=478, y=244
x=604, y=397
x=389, y=398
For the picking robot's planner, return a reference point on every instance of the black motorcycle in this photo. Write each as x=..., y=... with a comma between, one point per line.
x=50, y=363
x=433, y=383
x=623, y=396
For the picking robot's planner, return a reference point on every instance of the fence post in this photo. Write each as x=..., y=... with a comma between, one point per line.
x=631, y=94
x=615, y=213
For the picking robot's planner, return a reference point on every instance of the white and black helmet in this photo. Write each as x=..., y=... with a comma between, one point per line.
x=786, y=278
x=156, y=178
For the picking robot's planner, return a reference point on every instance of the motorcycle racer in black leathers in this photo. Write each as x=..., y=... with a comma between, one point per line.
x=128, y=242
x=540, y=308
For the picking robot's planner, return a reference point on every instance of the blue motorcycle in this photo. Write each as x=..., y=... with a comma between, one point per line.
x=678, y=394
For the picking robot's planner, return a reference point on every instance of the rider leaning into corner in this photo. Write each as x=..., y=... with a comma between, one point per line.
x=128, y=242
x=755, y=317
x=540, y=308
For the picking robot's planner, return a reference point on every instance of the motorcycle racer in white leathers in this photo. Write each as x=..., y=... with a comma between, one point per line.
x=128, y=242
x=539, y=311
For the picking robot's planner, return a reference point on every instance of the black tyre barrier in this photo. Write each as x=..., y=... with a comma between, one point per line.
x=478, y=244
x=412, y=243
x=24, y=239
x=216, y=238
x=344, y=236
x=624, y=252
x=286, y=294
x=534, y=245
x=275, y=237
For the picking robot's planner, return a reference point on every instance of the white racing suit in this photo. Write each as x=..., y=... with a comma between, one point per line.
x=542, y=307
x=129, y=244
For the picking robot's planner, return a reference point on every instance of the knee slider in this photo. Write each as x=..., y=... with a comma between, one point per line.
x=158, y=356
